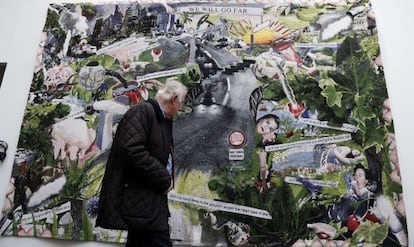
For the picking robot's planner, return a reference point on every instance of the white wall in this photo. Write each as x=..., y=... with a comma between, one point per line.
x=21, y=22
x=394, y=20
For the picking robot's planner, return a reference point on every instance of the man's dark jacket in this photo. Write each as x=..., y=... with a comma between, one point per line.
x=133, y=193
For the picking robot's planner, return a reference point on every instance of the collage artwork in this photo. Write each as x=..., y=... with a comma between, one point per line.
x=286, y=137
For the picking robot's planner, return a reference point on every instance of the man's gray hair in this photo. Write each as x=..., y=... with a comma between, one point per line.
x=171, y=87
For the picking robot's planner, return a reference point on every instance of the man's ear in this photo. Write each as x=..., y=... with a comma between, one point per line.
x=175, y=99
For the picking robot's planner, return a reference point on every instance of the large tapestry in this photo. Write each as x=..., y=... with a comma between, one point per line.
x=286, y=137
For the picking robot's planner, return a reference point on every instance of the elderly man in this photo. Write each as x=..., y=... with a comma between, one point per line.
x=140, y=170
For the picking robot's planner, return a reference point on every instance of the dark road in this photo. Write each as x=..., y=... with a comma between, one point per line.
x=201, y=138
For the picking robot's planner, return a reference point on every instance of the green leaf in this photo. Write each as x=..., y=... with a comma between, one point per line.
x=332, y=96
x=347, y=51
x=369, y=232
x=374, y=136
x=343, y=81
x=55, y=225
x=363, y=110
x=326, y=82
x=87, y=231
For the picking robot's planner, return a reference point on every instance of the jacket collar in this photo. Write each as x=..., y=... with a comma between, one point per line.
x=157, y=109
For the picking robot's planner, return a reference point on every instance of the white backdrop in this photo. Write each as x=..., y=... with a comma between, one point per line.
x=21, y=22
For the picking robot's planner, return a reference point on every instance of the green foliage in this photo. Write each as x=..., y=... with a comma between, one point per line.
x=93, y=178
x=307, y=90
x=15, y=224
x=369, y=232
x=308, y=14
x=370, y=45
x=107, y=61
x=146, y=56
x=35, y=233
x=52, y=20
x=198, y=181
x=69, y=230
x=87, y=232
x=88, y=10
x=257, y=49
x=76, y=182
x=287, y=222
x=54, y=225
x=352, y=94
x=364, y=91
x=332, y=96
x=192, y=76
x=38, y=119
x=288, y=219
x=37, y=81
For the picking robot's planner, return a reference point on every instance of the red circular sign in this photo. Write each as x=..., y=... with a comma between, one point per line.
x=237, y=139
